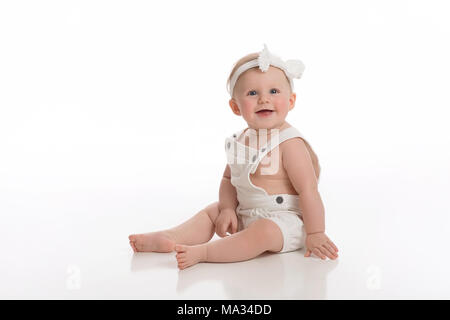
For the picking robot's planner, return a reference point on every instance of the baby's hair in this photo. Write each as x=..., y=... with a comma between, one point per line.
x=247, y=58
x=252, y=56
x=240, y=62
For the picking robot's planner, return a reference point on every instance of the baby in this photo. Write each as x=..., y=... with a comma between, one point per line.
x=268, y=196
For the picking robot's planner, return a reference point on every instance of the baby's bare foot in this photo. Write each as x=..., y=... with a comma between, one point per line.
x=152, y=242
x=189, y=255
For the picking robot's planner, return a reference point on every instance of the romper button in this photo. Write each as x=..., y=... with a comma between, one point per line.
x=263, y=149
x=279, y=199
x=234, y=135
x=254, y=158
x=228, y=145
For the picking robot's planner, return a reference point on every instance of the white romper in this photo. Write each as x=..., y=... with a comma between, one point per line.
x=254, y=202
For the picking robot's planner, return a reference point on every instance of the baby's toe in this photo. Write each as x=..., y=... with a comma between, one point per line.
x=182, y=266
x=133, y=246
x=181, y=257
x=180, y=248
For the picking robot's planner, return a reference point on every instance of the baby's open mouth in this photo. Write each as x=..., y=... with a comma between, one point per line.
x=264, y=112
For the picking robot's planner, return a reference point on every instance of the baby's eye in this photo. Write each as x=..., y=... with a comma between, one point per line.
x=274, y=90
x=252, y=93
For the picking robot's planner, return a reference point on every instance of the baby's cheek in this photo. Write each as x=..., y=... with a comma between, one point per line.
x=281, y=104
x=247, y=108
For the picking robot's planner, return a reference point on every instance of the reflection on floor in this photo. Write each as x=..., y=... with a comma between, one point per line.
x=270, y=276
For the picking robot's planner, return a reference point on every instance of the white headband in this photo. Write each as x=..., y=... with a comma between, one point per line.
x=292, y=68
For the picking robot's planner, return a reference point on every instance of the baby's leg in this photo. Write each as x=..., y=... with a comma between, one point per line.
x=198, y=229
x=261, y=235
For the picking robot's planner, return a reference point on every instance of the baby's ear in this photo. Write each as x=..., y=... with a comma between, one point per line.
x=292, y=101
x=234, y=107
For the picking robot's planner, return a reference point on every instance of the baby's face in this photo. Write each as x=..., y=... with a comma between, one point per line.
x=256, y=91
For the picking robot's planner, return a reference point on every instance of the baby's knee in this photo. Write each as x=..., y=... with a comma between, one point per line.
x=212, y=210
x=267, y=229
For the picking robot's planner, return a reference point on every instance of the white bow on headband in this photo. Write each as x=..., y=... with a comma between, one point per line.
x=292, y=68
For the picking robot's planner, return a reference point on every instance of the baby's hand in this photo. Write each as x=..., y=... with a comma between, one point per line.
x=226, y=222
x=321, y=246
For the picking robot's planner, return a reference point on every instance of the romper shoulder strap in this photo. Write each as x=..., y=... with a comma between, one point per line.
x=288, y=133
x=282, y=136
x=275, y=140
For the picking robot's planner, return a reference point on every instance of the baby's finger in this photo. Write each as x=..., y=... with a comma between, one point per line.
x=233, y=225
x=308, y=253
x=226, y=228
x=329, y=251
x=319, y=253
x=324, y=252
x=330, y=248
x=333, y=245
x=220, y=232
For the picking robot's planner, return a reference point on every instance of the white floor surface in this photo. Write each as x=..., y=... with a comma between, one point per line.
x=72, y=244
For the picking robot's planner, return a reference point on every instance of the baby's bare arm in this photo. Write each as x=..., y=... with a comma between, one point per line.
x=226, y=221
x=227, y=192
x=298, y=165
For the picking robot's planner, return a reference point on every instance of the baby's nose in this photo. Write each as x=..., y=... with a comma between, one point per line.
x=263, y=98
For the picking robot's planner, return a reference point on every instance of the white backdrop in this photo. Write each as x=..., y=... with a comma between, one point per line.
x=113, y=116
